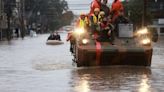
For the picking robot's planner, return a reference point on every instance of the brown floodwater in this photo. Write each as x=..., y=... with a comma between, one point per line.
x=30, y=65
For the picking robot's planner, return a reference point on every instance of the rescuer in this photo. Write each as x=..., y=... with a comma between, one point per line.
x=94, y=4
x=82, y=21
x=71, y=38
x=116, y=8
x=105, y=30
x=121, y=19
x=101, y=16
x=105, y=8
x=94, y=19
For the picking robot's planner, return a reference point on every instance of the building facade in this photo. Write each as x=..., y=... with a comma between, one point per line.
x=157, y=9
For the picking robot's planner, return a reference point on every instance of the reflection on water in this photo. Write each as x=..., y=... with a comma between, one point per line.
x=144, y=86
x=51, y=66
x=83, y=86
x=111, y=78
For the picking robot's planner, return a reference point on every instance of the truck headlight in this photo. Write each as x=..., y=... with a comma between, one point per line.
x=143, y=36
x=142, y=31
x=146, y=41
x=79, y=31
x=85, y=41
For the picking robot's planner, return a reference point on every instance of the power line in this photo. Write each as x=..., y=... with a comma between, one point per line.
x=79, y=9
x=78, y=4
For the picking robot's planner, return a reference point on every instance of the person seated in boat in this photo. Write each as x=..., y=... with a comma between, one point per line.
x=51, y=37
x=58, y=37
x=54, y=36
x=106, y=29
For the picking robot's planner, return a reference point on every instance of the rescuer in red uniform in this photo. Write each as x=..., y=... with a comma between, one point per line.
x=116, y=8
x=95, y=4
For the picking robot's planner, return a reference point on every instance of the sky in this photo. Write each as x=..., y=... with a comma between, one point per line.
x=81, y=6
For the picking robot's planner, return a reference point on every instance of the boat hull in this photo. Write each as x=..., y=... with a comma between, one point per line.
x=54, y=42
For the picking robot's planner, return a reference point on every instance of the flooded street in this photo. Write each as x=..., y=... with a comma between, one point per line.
x=30, y=65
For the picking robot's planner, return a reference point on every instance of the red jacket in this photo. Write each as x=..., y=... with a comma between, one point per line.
x=95, y=4
x=103, y=26
x=116, y=7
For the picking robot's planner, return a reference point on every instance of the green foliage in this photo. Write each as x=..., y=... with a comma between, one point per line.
x=51, y=12
x=134, y=9
x=67, y=18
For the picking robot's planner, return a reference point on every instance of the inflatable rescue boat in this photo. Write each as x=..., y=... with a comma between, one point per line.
x=54, y=42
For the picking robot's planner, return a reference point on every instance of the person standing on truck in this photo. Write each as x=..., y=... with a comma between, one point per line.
x=106, y=29
x=101, y=16
x=94, y=20
x=105, y=8
x=82, y=22
x=115, y=9
x=94, y=4
x=121, y=19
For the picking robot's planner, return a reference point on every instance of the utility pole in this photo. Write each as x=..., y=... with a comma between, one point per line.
x=145, y=13
x=8, y=12
x=22, y=25
x=0, y=20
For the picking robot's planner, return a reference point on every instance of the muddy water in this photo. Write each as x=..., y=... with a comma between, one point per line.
x=30, y=65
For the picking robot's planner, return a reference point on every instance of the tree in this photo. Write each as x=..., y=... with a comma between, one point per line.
x=51, y=12
x=134, y=9
x=67, y=17
x=8, y=6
